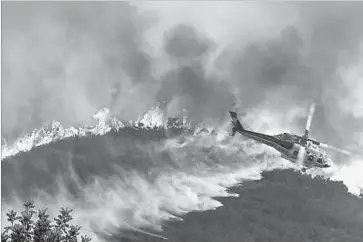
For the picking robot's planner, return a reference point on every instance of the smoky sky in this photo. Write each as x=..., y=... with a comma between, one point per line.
x=65, y=61
x=184, y=42
x=188, y=87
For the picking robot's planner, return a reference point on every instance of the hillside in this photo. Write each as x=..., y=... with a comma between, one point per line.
x=284, y=207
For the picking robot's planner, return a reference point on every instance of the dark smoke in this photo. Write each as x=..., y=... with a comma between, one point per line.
x=65, y=61
x=185, y=42
x=188, y=86
x=266, y=65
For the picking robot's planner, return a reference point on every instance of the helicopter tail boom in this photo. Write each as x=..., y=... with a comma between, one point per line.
x=237, y=126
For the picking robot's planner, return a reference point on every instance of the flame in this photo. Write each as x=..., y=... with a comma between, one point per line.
x=153, y=118
x=55, y=131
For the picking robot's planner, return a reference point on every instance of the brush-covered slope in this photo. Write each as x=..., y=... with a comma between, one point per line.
x=142, y=179
x=282, y=207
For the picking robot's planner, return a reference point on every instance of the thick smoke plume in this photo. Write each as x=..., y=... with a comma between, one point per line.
x=65, y=61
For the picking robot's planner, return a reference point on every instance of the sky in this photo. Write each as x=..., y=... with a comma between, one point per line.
x=64, y=61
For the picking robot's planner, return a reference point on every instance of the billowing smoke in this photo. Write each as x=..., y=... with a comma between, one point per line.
x=303, y=64
x=188, y=86
x=65, y=61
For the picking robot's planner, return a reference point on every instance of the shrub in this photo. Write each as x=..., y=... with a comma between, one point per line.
x=24, y=229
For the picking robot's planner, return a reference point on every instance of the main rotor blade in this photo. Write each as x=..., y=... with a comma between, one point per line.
x=301, y=156
x=335, y=148
x=310, y=118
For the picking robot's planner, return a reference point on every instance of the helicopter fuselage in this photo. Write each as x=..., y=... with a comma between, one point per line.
x=301, y=150
x=288, y=145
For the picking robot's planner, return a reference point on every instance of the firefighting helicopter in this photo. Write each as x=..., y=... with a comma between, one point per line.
x=302, y=150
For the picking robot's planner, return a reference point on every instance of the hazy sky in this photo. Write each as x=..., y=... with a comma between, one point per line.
x=66, y=60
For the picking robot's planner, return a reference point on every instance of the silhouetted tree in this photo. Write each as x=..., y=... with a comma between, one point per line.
x=24, y=229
